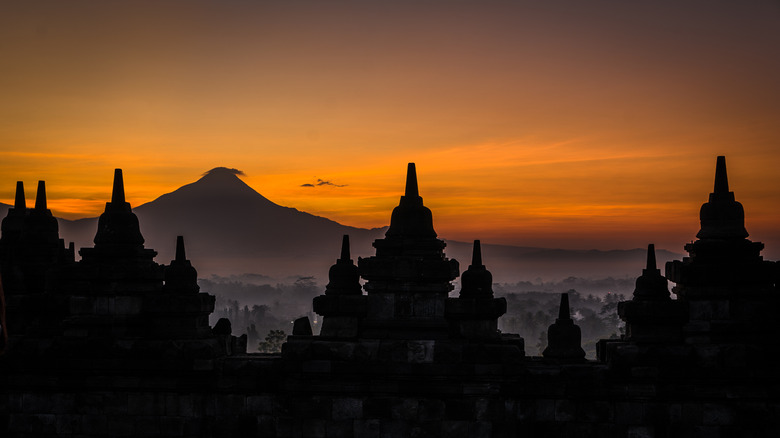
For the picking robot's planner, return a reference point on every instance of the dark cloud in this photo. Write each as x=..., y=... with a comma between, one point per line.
x=225, y=170
x=322, y=182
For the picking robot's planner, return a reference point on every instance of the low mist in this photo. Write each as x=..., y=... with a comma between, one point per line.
x=260, y=307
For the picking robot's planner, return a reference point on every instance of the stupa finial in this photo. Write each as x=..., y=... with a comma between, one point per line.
x=564, y=337
x=476, y=280
x=118, y=225
x=721, y=177
x=722, y=217
x=345, y=255
x=651, y=264
x=476, y=256
x=651, y=285
x=411, y=182
x=180, y=252
x=19, y=202
x=180, y=276
x=411, y=218
x=118, y=193
x=40, y=198
x=564, y=313
x=343, y=276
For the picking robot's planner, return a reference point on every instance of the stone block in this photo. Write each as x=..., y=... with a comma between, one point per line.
x=657, y=413
x=41, y=424
x=448, y=352
x=366, y=350
x=594, y=411
x=629, y=413
x=420, y=351
x=481, y=428
x=19, y=423
x=284, y=427
x=313, y=428
x=316, y=366
x=172, y=426
x=230, y=405
x=266, y=426
x=121, y=425
x=640, y=432
x=717, y=414
x=314, y=408
x=81, y=305
x=426, y=305
x=127, y=305
x=380, y=306
x=147, y=425
x=145, y=403
x=94, y=424
x=460, y=409
x=339, y=429
x=455, y=428
x=68, y=424
x=347, y=408
x=565, y=410
x=405, y=409
x=691, y=413
x=179, y=405
x=392, y=428
x=14, y=401
x=430, y=409
x=367, y=428
x=544, y=410
x=706, y=432
x=260, y=404
x=113, y=403
x=378, y=407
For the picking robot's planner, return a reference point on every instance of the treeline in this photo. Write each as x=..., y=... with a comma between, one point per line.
x=265, y=312
x=529, y=314
x=261, y=311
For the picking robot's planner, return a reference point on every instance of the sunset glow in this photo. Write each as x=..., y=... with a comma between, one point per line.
x=555, y=125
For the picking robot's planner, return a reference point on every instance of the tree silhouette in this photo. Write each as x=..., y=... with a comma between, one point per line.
x=273, y=342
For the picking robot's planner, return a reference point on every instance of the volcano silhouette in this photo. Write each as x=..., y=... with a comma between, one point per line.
x=232, y=229
x=229, y=227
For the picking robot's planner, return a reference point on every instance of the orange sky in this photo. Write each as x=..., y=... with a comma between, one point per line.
x=556, y=124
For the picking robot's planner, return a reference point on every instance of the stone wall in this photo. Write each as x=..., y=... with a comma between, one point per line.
x=261, y=396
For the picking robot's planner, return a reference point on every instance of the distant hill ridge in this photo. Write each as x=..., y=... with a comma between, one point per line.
x=230, y=228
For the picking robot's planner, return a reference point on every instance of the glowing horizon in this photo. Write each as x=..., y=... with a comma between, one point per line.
x=556, y=125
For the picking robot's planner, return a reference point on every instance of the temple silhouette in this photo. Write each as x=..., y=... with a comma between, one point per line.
x=115, y=344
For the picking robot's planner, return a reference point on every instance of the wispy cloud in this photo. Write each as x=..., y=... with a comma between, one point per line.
x=322, y=182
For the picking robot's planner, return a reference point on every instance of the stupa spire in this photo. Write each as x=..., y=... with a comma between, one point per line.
x=345, y=256
x=722, y=217
x=651, y=265
x=343, y=276
x=476, y=281
x=19, y=202
x=40, y=198
x=411, y=219
x=564, y=336
x=411, y=182
x=721, y=178
x=180, y=253
x=118, y=225
x=180, y=276
x=651, y=285
x=118, y=193
x=564, y=313
x=476, y=255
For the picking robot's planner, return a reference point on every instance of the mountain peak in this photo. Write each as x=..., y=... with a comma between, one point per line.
x=224, y=171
